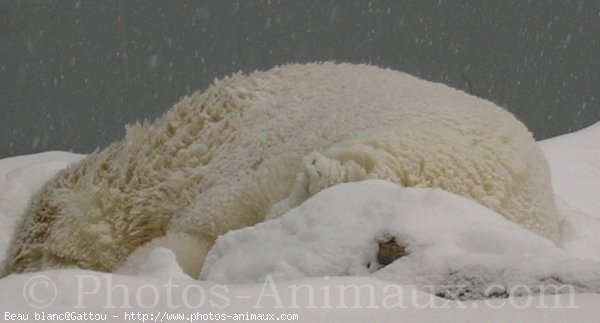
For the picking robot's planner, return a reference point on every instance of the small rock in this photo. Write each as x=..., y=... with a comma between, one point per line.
x=389, y=251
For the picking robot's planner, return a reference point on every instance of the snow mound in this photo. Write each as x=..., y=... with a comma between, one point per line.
x=450, y=240
x=574, y=161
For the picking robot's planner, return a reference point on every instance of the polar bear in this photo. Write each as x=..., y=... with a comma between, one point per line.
x=253, y=146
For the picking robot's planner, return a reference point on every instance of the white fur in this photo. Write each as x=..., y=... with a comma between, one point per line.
x=259, y=144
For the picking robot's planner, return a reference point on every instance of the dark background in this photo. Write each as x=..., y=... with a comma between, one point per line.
x=73, y=73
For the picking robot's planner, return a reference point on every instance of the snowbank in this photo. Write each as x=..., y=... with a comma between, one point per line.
x=451, y=241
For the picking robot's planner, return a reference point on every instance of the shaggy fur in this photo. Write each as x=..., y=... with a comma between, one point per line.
x=259, y=144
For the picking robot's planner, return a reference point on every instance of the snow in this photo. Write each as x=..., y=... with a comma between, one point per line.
x=318, y=261
x=574, y=161
x=451, y=241
x=575, y=165
x=336, y=233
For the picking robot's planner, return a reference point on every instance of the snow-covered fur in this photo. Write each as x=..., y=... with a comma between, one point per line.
x=259, y=144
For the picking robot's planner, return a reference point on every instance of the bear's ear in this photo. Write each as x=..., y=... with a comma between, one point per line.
x=189, y=251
